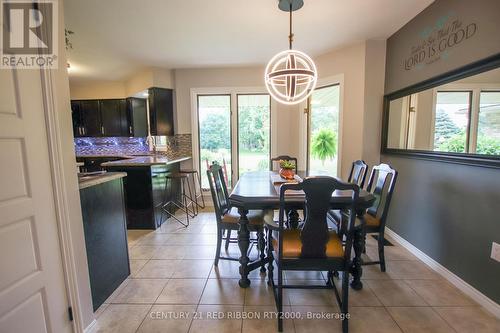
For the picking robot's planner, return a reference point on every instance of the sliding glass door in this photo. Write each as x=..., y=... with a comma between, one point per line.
x=239, y=141
x=323, y=130
x=254, y=132
x=214, y=133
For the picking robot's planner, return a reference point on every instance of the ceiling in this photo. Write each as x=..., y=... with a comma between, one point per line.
x=115, y=38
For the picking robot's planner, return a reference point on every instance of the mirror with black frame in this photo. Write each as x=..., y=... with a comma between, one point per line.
x=459, y=117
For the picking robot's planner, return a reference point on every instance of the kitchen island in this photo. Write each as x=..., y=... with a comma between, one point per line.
x=144, y=187
x=103, y=212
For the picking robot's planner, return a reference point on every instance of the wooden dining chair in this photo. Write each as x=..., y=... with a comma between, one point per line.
x=314, y=247
x=357, y=175
x=227, y=217
x=381, y=184
x=359, y=169
x=284, y=158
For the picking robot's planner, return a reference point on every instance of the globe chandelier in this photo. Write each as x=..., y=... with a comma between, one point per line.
x=290, y=75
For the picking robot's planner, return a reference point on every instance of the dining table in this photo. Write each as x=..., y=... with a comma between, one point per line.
x=259, y=190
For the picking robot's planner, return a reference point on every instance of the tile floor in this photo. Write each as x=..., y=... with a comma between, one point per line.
x=174, y=287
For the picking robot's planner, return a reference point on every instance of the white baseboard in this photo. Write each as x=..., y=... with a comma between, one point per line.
x=91, y=325
x=466, y=288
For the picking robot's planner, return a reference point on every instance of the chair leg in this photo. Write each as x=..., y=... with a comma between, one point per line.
x=329, y=278
x=227, y=239
x=201, y=191
x=345, y=301
x=364, y=247
x=280, y=299
x=219, y=244
x=381, y=251
x=262, y=249
x=270, y=267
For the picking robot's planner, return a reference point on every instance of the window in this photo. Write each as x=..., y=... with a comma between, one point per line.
x=452, y=121
x=214, y=125
x=254, y=132
x=488, y=128
x=234, y=129
x=323, y=129
x=467, y=122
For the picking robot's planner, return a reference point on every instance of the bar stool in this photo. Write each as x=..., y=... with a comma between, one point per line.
x=192, y=175
x=183, y=203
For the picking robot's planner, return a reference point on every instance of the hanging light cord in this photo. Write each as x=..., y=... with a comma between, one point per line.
x=290, y=36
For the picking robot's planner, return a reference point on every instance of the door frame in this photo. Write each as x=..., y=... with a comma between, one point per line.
x=305, y=118
x=56, y=99
x=233, y=92
x=60, y=188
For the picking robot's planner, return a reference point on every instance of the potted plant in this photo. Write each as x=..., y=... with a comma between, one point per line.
x=286, y=170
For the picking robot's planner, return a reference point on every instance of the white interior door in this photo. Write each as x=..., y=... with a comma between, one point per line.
x=32, y=287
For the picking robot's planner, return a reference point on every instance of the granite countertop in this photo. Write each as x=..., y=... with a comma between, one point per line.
x=91, y=179
x=147, y=161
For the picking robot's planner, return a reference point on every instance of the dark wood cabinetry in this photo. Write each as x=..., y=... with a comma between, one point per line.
x=91, y=118
x=144, y=193
x=109, y=117
x=137, y=118
x=104, y=223
x=161, y=111
x=76, y=115
x=125, y=117
x=113, y=117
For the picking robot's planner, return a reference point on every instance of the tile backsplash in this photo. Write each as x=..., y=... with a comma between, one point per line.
x=171, y=146
x=111, y=146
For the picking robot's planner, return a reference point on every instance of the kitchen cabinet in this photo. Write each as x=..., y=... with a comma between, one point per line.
x=125, y=117
x=113, y=117
x=91, y=118
x=104, y=225
x=76, y=115
x=161, y=111
x=95, y=118
x=144, y=193
x=137, y=117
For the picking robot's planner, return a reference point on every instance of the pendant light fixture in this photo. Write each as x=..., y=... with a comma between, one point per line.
x=290, y=75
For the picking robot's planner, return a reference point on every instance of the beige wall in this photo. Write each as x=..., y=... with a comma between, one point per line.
x=374, y=97
x=362, y=66
x=97, y=90
x=150, y=77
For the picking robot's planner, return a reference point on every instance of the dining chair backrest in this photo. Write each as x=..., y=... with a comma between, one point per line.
x=358, y=173
x=282, y=158
x=218, y=188
x=381, y=184
x=315, y=234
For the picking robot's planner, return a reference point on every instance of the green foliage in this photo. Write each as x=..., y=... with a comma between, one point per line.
x=287, y=164
x=445, y=129
x=214, y=132
x=324, y=144
x=485, y=145
x=253, y=128
x=453, y=144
